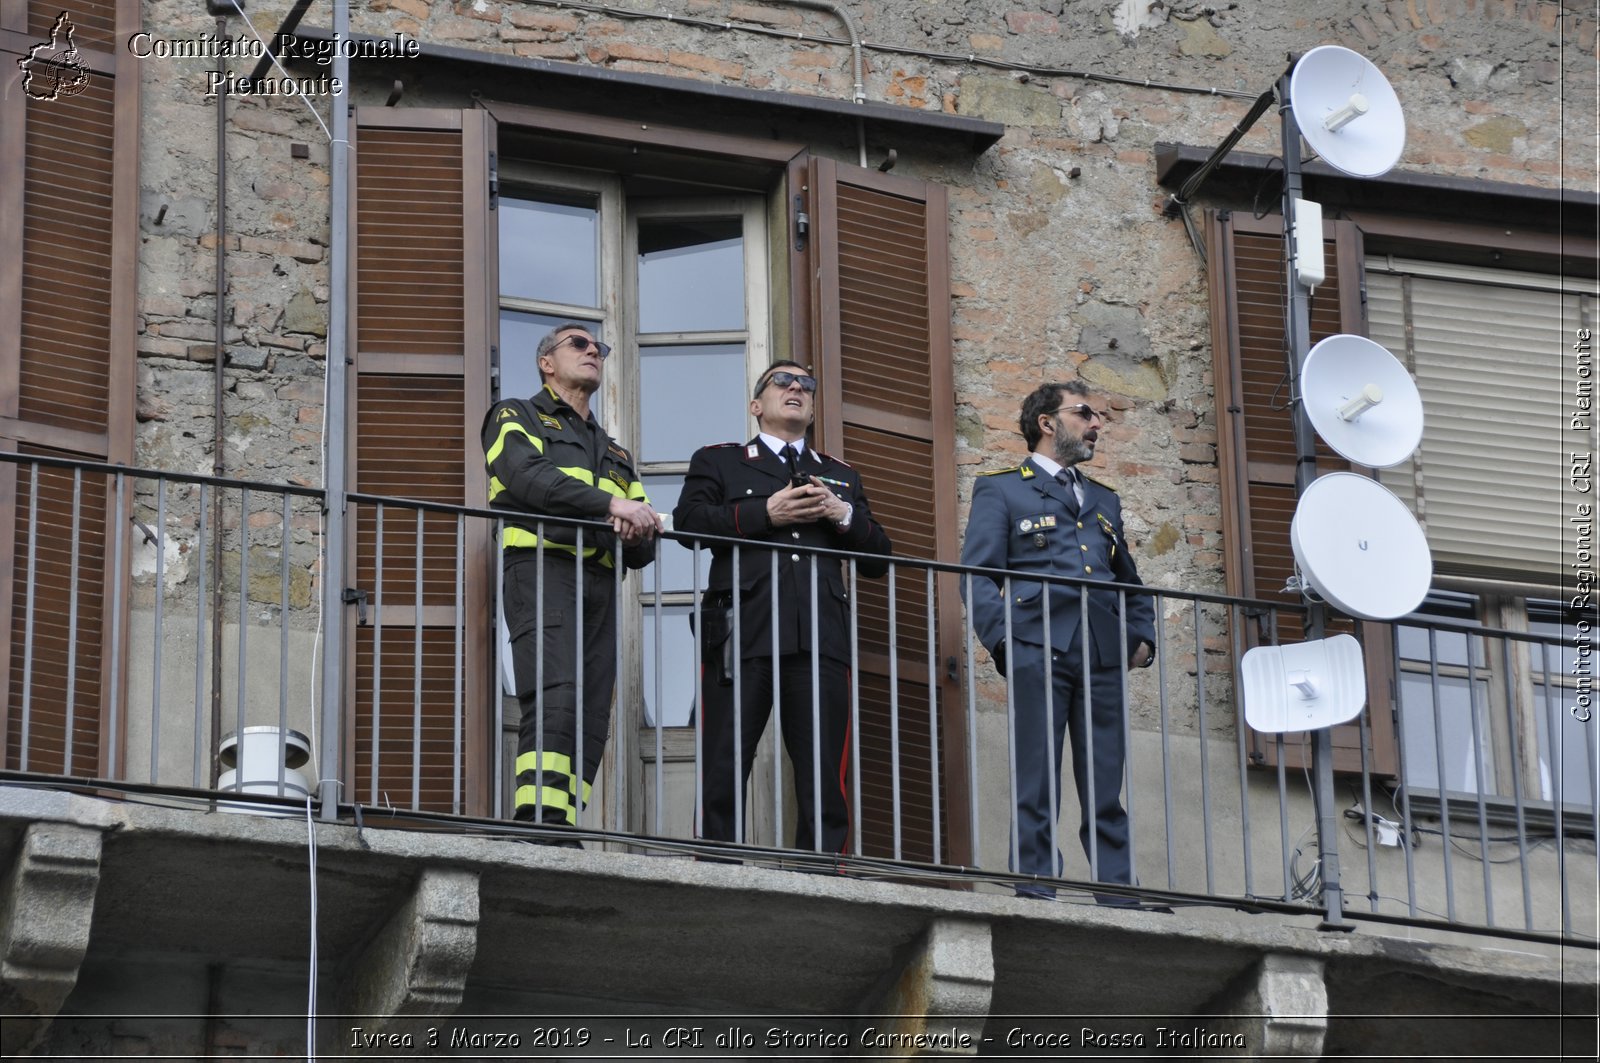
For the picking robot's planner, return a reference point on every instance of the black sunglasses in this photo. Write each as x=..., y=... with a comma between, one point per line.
x=783, y=379
x=1082, y=409
x=583, y=343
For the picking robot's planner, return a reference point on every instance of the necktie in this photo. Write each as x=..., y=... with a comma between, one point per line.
x=791, y=460
x=1069, y=479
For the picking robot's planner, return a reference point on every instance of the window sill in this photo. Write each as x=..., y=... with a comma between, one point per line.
x=1537, y=816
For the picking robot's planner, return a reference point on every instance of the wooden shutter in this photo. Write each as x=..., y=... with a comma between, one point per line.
x=68, y=217
x=1255, y=450
x=880, y=304
x=424, y=241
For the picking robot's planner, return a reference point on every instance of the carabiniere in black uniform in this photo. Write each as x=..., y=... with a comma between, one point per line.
x=725, y=493
x=545, y=459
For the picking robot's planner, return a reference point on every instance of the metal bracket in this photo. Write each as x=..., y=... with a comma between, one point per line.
x=359, y=598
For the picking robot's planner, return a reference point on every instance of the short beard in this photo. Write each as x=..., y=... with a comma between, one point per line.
x=1069, y=452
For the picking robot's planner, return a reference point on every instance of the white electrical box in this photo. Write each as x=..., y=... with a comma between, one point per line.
x=1310, y=254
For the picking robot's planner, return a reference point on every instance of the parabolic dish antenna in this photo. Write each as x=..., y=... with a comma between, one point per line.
x=1347, y=111
x=1360, y=548
x=1361, y=401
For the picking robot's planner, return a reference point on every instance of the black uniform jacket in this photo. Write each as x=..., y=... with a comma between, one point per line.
x=1023, y=520
x=726, y=493
x=545, y=459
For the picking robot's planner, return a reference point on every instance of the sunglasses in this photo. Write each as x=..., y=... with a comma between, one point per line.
x=583, y=343
x=783, y=379
x=1082, y=409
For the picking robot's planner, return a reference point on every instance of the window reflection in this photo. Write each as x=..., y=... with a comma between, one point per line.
x=691, y=396
x=549, y=250
x=677, y=663
x=1465, y=763
x=691, y=274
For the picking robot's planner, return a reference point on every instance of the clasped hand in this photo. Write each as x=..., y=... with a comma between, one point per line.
x=634, y=521
x=802, y=505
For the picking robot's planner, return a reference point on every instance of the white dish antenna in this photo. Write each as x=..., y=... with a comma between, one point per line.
x=1361, y=401
x=1360, y=548
x=1347, y=111
x=1304, y=685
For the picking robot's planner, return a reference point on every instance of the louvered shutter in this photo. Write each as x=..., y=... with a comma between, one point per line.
x=417, y=732
x=881, y=329
x=1255, y=451
x=68, y=210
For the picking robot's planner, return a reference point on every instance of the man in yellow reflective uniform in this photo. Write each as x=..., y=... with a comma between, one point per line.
x=548, y=456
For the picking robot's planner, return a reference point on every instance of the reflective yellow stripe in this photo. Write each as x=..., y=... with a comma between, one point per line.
x=546, y=797
x=527, y=540
x=636, y=492
x=495, y=487
x=558, y=764
x=506, y=429
x=582, y=475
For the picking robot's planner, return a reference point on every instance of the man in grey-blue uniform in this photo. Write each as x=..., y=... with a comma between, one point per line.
x=1045, y=517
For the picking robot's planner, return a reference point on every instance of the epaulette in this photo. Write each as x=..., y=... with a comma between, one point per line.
x=1100, y=483
x=830, y=457
x=1026, y=473
x=714, y=446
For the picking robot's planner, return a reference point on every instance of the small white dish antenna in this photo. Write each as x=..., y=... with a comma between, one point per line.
x=1360, y=548
x=1362, y=401
x=1303, y=686
x=1347, y=111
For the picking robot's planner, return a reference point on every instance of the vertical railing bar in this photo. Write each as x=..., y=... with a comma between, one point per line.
x=1405, y=788
x=1364, y=729
x=855, y=707
x=1163, y=706
x=497, y=692
x=581, y=717
x=971, y=684
x=1286, y=852
x=1127, y=735
x=618, y=570
x=1205, y=748
x=777, y=708
x=158, y=636
x=244, y=628
x=1011, y=730
x=933, y=719
x=538, y=689
x=661, y=708
x=1051, y=773
x=377, y=657
x=1479, y=764
x=1516, y=782
x=816, y=715
x=200, y=643
x=698, y=613
x=115, y=529
x=457, y=750
x=283, y=651
x=738, y=702
x=72, y=623
x=1090, y=814
x=1558, y=788
x=417, y=561
x=1444, y=783
x=27, y=619
x=894, y=707
x=1237, y=619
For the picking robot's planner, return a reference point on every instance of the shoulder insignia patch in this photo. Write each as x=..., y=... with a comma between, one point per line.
x=506, y=413
x=618, y=479
x=618, y=452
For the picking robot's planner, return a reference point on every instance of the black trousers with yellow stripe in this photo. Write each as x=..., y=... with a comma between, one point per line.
x=562, y=662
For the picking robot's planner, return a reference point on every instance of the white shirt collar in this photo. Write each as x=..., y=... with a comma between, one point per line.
x=776, y=445
x=1049, y=465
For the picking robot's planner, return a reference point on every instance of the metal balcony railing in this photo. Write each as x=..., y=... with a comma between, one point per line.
x=165, y=634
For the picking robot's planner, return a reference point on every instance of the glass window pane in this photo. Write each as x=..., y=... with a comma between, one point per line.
x=1451, y=646
x=676, y=662
x=550, y=251
x=691, y=274
x=691, y=396
x=675, y=569
x=1578, y=756
x=1455, y=711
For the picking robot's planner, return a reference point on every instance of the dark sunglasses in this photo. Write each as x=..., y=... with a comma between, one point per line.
x=583, y=343
x=783, y=379
x=1082, y=409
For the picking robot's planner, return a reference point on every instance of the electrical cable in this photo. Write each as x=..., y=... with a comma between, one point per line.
x=268, y=52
